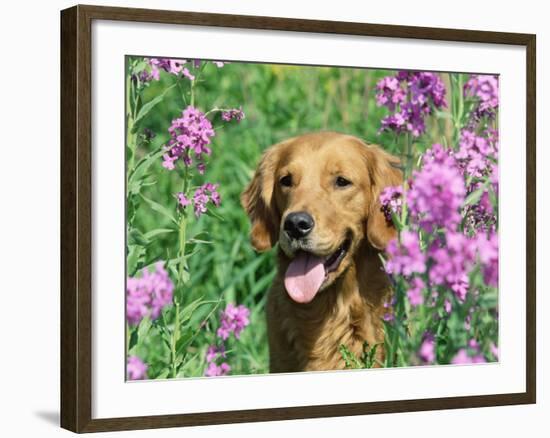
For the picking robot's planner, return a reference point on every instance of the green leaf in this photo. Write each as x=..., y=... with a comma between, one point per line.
x=349, y=358
x=134, y=259
x=163, y=374
x=160, y=209
x=199, y=241
x=188, y=310
x=133, y=339
x=140, y=66
x=183, y=341
x=475, y=196
x=145, y=109
x=157, y=232
x=443, y=115
x=144, y=327
x=213, y=214
x=135, y=178
x=136, y=237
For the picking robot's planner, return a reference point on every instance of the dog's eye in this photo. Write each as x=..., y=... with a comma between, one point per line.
x=342, y=182
x=286, y=181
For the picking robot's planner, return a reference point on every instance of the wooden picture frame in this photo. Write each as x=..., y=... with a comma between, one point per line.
x=76, y=217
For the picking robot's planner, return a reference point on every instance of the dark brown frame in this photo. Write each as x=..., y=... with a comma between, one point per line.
x=76, y=214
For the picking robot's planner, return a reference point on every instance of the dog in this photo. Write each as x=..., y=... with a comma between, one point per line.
x=317, y=196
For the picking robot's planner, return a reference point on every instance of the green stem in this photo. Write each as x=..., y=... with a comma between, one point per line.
x=173, y=341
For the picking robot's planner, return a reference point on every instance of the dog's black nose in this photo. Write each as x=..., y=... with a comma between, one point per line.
x=299, y=224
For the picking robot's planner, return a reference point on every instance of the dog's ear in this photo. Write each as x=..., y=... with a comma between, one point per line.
x=384, y=171
x=259, y=203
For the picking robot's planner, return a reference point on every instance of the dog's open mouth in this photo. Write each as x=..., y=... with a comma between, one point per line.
x=307, y=272
x=333, y=261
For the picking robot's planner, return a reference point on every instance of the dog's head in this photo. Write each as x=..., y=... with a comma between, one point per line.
x=318, y=196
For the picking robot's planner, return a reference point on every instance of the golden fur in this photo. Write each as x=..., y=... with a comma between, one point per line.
x=349, y=306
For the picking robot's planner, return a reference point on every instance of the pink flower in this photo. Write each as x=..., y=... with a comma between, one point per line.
x=410, y=96
x=183, y=200
x=488, y=257
x=391, y=200
x=233, y=114
x=136, y=369
x=390, y=93
x=204, y=194
x=214, y=370
x=427, y=349
x=189, y=136
x=414, y=294
x=148, y=295
x=494, y=350
x=405, y=257
x=214, y=352
x=486, y=89
x=462, y=357
x=452, y=260
x=233, y=320
x=437, y=192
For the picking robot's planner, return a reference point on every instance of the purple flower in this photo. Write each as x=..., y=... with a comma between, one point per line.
x=391, y=200
x=183, y=200
x=233, y=114
x=233, y=320
x=427, y=349
x=214, y=370
x=189, y=135
x=484, y=88
x=487, y=248
x=477, y=153
x=390, y=93
x=171, y=66
x=410, y=96
x=148, y=295
x=204, y=194
x=462, y=357
x=494, y=350
x=437, y=192
x=414, y=294
x=452, y=259
x=214, y=352
x=405, y=257
x=136, y=369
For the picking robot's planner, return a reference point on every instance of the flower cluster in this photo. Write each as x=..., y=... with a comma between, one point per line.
x=406, y=257
x=148, y=295
x=391, y=199
x=190, y=136
x=469, y=355
x=172, y=66
x=175, y=67
x=427, y=348
x=436, y=205
x=447, y=251
x=437, y=192
x=203, y=195
x=136, y=369
x=233, y=320
x=410, y=96
x=236, y=114
x=213, y=354
x=485, y=89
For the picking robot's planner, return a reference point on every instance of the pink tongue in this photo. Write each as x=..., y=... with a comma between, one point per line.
x=304, y=277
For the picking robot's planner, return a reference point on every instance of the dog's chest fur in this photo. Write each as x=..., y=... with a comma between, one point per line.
x=308, y=337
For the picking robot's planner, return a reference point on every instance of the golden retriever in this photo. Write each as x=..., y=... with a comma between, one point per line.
x=317, y=195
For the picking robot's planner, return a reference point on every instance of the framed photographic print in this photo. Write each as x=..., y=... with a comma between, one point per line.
x=341, y=214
